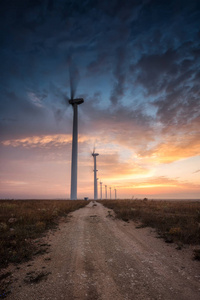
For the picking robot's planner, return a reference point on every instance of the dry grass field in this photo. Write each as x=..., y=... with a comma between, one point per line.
x=93, y=255
x=175, y=221
x=21, y=221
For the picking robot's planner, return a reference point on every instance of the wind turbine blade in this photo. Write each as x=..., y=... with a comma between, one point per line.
x=94, y=147
x=73, y=78
x=71, y=82
x=66, y=100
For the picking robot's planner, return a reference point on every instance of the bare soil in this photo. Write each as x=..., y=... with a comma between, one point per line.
x=95, y=256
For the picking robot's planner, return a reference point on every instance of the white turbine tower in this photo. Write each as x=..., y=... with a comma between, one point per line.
x=115, y=194
x=74, y=162
x=100, y=190
x=95, y=174
x=97, y=188
x=110, y=193
x=106, y=192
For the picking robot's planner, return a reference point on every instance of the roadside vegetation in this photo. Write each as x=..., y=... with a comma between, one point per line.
x=21, y=221
x=175, y=221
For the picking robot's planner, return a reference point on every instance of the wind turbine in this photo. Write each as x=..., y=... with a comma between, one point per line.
x=115, y=194
x=100, y=190
x=95, y=173
x=106, y=192
x=110, y=193
x=74, y=102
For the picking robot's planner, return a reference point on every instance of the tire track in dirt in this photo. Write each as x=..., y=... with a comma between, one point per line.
x=96, y=257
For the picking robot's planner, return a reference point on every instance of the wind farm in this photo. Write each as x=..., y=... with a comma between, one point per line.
x=144, y=127
x=120, y=221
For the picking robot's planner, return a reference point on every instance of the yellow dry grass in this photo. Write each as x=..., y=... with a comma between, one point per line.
x=176, y=221
x=23, y=220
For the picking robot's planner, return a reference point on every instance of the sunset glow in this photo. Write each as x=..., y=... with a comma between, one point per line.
x=137, y=68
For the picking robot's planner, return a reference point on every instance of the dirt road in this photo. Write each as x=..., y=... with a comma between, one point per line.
x=94, y=256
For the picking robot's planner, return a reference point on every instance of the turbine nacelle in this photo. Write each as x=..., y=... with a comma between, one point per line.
x=95, y=154
x=76, y=101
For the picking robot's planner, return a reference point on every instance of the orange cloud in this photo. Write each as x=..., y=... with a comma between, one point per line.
x=112, y=167
x=42, y=141
x=173, y=149
x=158, y=183
x=14, y=183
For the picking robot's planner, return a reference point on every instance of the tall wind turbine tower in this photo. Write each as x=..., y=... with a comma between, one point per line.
x=115, y=194
x=110, y=193
x=97, y=188
x=100, y=190
x=106, y=192
x=95, y=174
x=74, y=102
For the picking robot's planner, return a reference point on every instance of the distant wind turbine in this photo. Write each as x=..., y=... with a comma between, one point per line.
x=74, y=102
x=115, y=194
x=106, y=192
x=100, y=190
x=95, y=173
x=110, y=193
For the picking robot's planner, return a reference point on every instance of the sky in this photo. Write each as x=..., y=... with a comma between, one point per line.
x=137, y=66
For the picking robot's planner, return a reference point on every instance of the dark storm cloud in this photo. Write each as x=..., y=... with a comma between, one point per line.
x=100, y=64
x=138, y=44
x=119, y=75
x=18, y=112
x=171, y=78
x=38, y=37
x=156, y=70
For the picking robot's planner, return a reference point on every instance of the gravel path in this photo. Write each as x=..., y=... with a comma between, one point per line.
x=94, y=256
